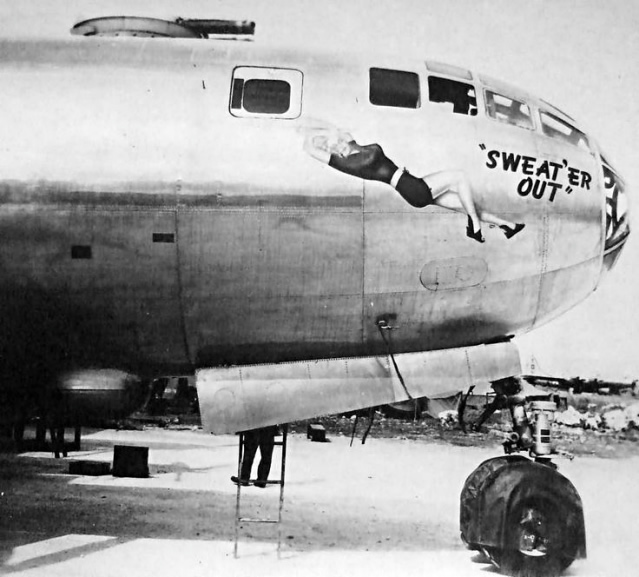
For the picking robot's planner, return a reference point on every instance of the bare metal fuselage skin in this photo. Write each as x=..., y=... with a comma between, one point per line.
x=147, y=228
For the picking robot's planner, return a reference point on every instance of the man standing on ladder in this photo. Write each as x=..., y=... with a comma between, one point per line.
x=264, y=439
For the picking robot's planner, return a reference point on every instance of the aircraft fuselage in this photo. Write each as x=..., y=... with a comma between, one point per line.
x=155, y=220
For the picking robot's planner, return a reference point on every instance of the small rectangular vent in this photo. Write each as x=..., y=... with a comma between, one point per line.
x=81, y=251
x=163, y=237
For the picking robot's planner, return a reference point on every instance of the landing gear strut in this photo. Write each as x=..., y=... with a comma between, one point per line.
x=519, y=511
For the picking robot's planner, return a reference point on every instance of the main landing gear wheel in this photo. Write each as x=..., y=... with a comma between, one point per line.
x=524, y=516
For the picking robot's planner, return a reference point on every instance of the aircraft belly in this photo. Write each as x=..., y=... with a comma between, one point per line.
x=271, y=284
x=563, y=288
x=91, y=284
x=438, y=320
x=443, y=289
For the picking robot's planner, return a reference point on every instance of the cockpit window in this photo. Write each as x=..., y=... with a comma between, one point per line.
x=556, y=128
x=266, y=92
x=509, y=110
x=448, y=70
x=456, y=97
x=395, y=88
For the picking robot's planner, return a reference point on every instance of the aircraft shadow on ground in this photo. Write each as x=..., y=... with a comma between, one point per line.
x=6, y=553
x=40, y=507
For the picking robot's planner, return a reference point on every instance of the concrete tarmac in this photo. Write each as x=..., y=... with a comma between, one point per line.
x=387, y=507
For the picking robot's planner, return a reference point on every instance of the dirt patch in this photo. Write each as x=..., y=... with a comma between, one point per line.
x=579, y=442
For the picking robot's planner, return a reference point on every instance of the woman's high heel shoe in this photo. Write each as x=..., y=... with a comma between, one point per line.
x=472, y=233
x=512, y=231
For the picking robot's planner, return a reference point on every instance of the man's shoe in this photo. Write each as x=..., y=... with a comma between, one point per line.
x=238, y=482
x=260, y=484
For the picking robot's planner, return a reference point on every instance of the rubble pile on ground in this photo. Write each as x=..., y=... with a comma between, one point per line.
x=571, y=417
x=610, y=417
x=448, y=419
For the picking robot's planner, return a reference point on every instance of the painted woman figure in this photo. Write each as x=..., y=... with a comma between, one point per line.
x=447, y=188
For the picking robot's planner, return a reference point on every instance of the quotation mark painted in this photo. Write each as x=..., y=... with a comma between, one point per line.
x=482, y=146
x=569, y=189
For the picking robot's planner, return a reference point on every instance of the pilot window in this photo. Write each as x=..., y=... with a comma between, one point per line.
x=394, y=88
x=454, y=96
x=266, y=92
x=448, y=70
x=509, y=110
x=556, y=128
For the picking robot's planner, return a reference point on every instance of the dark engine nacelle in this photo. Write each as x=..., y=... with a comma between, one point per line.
x=91, y=396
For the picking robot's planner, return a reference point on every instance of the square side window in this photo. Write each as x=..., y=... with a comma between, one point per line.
x=266, y=92
x=394, y=88
x=267, y=96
